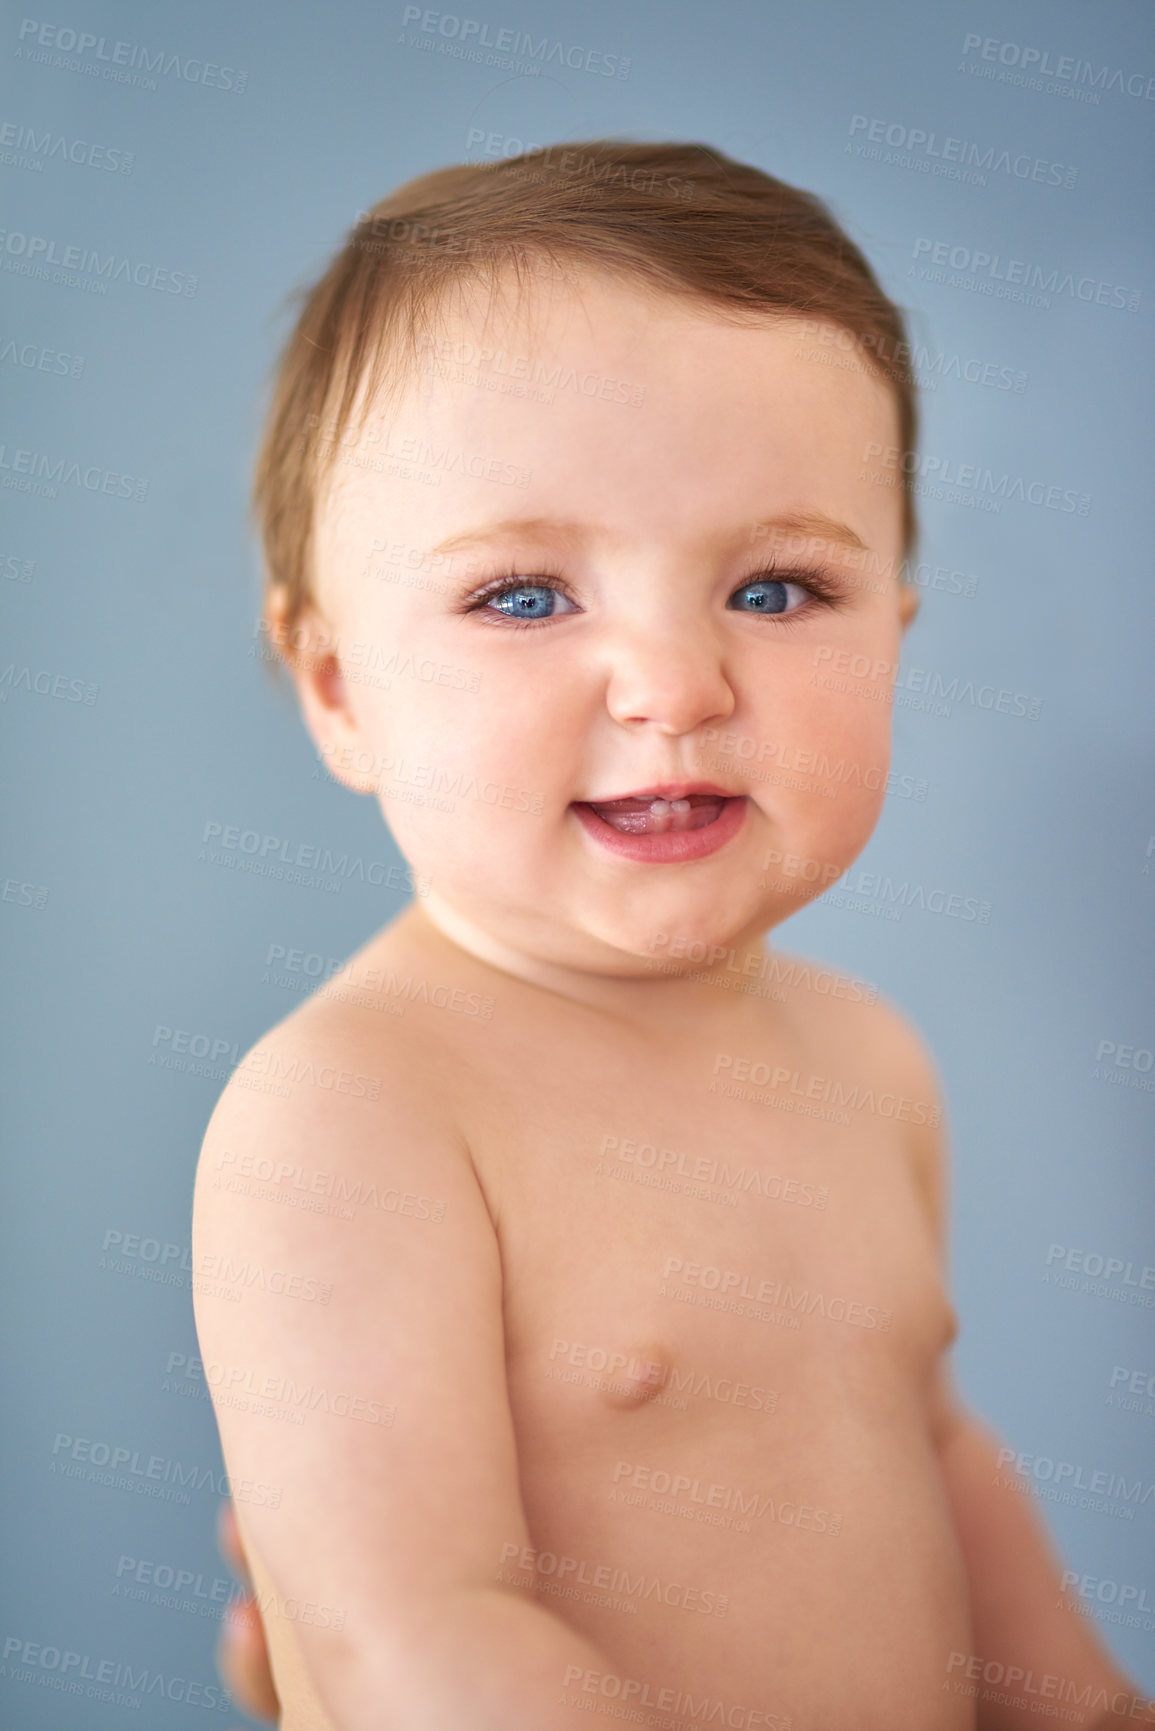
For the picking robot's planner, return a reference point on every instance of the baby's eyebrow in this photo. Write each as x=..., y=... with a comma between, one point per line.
x=515, y=529
x=815, y=525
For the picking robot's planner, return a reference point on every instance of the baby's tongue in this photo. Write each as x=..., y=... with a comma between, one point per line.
x=654, y=816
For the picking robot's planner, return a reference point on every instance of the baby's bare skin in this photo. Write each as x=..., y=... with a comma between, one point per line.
x=499, y=1556
x=841, y=1601
x=584, y=1248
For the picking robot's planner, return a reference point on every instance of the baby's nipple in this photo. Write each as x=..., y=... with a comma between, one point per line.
x=636, y=1379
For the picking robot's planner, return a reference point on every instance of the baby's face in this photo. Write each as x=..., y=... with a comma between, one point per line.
x=543, y=606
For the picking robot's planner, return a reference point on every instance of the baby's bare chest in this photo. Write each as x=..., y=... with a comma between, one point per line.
x=667, y=1245
x=722, y=1313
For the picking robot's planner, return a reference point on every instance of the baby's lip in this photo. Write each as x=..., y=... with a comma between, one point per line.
x=694, y=791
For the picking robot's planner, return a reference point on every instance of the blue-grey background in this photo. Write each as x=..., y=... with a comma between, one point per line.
x=112, y=923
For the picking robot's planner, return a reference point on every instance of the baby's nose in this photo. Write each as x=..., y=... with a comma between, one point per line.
x=675, y=682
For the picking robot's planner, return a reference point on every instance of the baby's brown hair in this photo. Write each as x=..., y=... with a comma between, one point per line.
x=680, y=218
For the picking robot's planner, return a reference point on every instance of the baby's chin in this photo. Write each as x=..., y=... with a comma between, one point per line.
x=686, y=941
x=608, y=940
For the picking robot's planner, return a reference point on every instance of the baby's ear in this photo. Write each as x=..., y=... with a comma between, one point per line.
x=310, y=650
x=909, y=602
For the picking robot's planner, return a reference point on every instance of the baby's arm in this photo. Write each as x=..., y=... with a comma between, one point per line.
x=397, y=1529
x=1017, y=1612
x=1015, y=1575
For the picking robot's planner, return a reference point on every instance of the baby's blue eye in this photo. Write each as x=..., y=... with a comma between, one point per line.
x=765, y=595
x=527, y=601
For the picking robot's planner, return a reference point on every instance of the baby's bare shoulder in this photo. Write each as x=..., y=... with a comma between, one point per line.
x=842, y=1014
x=852, y=1030
x=334, y=1099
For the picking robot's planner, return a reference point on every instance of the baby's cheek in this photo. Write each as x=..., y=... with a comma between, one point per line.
x=853, y=729
x=835, y=714
x=830, y=772
x=527, y=729
x=463, y=770
x=437, y=712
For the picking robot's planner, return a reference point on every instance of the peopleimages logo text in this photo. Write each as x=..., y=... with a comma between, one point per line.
x=38, y=251
x=123, y=58
x=1064, y=68
x=474, y=33
x=974, y=261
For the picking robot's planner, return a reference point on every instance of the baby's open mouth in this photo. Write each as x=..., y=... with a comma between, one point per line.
x=648, y=815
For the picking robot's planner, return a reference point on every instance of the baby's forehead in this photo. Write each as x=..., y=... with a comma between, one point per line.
x=550, y=390
x=531, y=336
x=546, y=303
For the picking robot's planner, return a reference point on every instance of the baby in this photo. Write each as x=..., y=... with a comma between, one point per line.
x=570, y=1264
